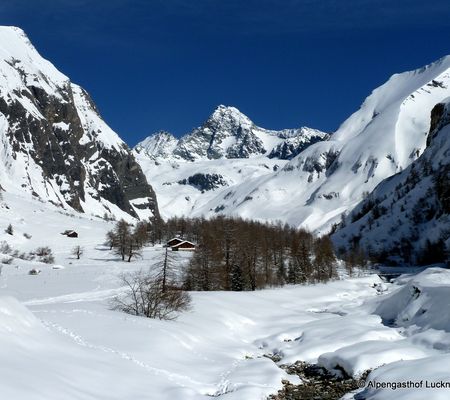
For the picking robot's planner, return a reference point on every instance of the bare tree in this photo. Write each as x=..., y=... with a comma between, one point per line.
x=125, y=242
x=144, y=296
x=77, y=252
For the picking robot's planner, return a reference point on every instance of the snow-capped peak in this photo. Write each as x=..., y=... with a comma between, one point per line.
x=227, y=116
x=17, y=51
x=228, y=133
x=160, y=144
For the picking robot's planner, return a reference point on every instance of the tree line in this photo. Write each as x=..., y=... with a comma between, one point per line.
x=233, y=253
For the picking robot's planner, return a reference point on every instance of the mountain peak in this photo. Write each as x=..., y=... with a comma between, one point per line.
x=17, y=52
x=158, y=144
x=228, y=115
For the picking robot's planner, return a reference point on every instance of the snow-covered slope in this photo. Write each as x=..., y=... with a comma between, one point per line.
x=331, y=177
x=54, y=144
x=407, y=216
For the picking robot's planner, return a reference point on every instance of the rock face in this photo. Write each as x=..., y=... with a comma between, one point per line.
x=408, y=215
x=295, y=144
x=54, y=143
x=229, y=134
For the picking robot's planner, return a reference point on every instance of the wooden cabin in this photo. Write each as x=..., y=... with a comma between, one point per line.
x=185, y=245
x=70, y=233
x=174, y=241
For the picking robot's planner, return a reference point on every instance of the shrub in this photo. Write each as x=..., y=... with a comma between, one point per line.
x=45, y=255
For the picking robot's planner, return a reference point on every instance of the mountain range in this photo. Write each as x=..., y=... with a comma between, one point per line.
x=222, y=168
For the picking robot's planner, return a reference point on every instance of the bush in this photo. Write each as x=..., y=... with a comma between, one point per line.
x=9, y=230
x=43, y=251
x=7, y=260
x=27, y=235
x=145, y=296
x=45, y=255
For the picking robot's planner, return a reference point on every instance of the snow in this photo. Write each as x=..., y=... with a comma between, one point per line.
x=178, y=199
x=57, y=329
x=17, y=48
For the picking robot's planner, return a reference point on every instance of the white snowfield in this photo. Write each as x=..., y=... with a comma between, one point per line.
x=60, y=340
x=328, y=178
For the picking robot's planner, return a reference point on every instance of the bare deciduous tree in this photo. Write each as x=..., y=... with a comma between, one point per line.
x=144, y=296
x=77, y=252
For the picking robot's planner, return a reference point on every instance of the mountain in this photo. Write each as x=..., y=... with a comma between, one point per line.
x=55, y=145
x=309, y=186
x=331, y=177
x=407, y=217
x=159, y=145
x=226, y=151
x=229, y=134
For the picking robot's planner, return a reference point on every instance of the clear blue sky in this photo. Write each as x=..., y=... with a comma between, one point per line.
x=165, y=64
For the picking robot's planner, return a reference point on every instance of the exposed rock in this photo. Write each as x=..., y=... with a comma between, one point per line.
x=204, y=182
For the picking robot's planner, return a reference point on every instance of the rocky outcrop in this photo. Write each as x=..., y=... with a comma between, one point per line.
x=204, y=182
x=291, y=147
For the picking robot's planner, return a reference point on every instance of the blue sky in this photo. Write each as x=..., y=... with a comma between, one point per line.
x=165, y=64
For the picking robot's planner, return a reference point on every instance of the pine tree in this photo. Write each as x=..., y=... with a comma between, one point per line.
x=237, y=283
x=9, y=230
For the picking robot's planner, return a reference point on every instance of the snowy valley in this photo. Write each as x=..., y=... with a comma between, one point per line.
x=380, y=183
x=58, y=331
